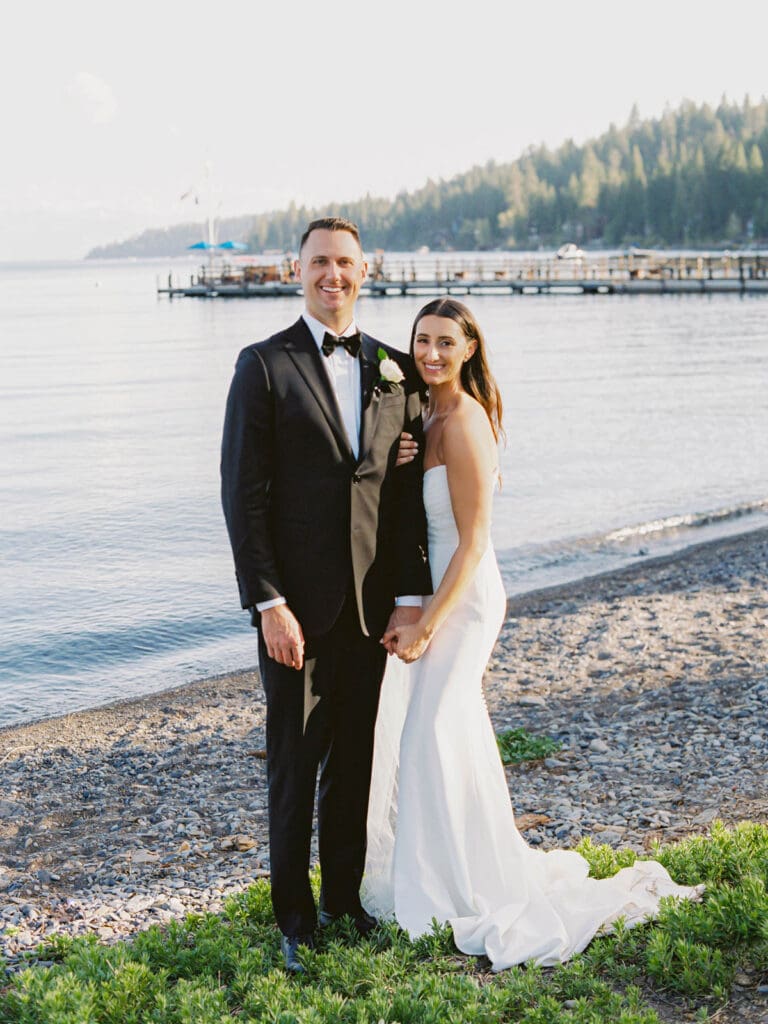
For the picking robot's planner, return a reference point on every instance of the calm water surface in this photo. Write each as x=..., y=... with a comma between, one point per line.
x=635, y=425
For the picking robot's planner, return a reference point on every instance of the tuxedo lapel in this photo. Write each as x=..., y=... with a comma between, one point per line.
x=370, y=398
x=301, y=347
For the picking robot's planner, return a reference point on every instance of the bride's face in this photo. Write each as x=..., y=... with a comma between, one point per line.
x=440, y=350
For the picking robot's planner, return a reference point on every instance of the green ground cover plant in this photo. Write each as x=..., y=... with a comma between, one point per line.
x=210, y=969
x=516, y=745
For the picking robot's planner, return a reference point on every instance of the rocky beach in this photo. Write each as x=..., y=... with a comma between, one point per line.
x=653, y=678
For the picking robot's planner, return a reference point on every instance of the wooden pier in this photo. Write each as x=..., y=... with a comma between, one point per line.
x=636, y=272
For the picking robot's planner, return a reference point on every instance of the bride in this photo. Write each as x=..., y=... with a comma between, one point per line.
x=442, y=840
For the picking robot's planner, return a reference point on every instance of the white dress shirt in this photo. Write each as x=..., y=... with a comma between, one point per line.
x=344, y=374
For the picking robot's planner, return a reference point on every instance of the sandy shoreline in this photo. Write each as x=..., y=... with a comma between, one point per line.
x=653, y=677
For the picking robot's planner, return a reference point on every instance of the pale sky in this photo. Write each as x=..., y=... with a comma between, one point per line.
x=110, y=111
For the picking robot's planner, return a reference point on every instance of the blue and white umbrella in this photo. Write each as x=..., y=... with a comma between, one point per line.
x=228, y=246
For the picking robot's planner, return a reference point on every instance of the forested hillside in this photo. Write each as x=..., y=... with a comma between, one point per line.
x=694, y=176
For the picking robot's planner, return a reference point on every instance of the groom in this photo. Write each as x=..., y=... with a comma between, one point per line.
x=326, y=534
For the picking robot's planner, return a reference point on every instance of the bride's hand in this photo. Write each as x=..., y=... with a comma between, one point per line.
x=408, y=642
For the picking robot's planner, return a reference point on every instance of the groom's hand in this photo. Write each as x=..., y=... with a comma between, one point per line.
x=283, y=636
x=403, y=615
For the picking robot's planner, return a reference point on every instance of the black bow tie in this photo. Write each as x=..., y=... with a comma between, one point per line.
x=351, y=343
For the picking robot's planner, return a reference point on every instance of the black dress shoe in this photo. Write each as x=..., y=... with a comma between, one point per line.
x=289, y=944
x=362, y=922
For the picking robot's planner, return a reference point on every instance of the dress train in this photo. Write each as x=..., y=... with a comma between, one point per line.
x=442, y=840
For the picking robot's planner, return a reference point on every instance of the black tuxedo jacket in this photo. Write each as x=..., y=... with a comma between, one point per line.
x=307, y=520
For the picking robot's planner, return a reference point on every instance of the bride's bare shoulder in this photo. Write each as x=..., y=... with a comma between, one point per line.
x=468, y=427
x=468, y=415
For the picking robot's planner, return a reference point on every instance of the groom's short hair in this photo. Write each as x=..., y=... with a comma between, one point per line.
x=332, y=224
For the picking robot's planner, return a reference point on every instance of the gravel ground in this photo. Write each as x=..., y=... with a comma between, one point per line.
x=654, y=678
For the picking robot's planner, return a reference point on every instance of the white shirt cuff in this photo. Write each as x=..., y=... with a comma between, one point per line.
x=407, y=601
x=263, y=605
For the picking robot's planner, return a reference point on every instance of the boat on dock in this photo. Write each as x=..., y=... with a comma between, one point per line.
x=631, y=272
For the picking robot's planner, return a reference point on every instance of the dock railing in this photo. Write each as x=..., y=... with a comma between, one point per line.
x=622, y=266
x=632, y=271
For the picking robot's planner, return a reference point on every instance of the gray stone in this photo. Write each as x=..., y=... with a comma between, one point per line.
x=609, y=837
x=531, y=700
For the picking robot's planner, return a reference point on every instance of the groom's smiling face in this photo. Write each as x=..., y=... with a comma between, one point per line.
x=331, y=269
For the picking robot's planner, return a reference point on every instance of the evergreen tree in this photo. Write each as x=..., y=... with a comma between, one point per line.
x=694, y=176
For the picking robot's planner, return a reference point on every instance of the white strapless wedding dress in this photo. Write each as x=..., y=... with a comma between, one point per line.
x=442, y=840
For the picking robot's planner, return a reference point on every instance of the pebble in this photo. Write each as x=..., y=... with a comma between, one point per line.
x=532, y=700
x=610, y=837
x=122, y=817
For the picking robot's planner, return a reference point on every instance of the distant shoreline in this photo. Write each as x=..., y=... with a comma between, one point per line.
x=187, y=259
x=104, y=254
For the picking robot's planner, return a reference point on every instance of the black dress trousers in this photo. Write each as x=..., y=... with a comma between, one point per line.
x=345, y=669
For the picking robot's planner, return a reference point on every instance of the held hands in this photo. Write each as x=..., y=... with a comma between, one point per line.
x=405, y=635
x=283, y=636
x=407, y=451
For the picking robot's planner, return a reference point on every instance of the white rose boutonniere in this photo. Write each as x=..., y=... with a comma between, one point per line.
x=390, y=374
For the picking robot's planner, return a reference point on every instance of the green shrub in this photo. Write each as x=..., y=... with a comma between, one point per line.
x=516, y=745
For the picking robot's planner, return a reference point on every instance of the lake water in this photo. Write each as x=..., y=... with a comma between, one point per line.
x=635, y=425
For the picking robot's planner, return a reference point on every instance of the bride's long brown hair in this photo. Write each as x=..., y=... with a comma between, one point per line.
x=476, y=377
